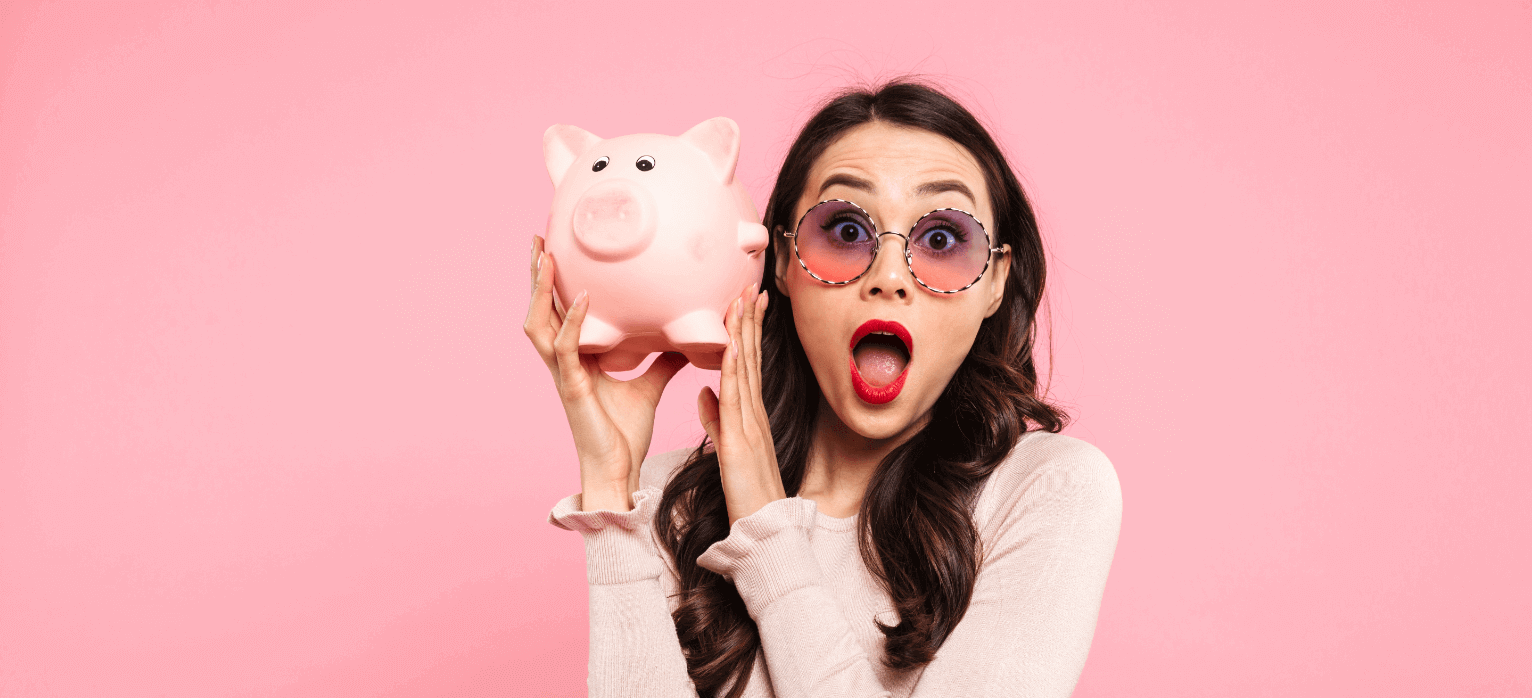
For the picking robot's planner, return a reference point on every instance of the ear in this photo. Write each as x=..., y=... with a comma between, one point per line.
x=1002, y=269
x=563, y=143
x=719, y=139
x=782, y=249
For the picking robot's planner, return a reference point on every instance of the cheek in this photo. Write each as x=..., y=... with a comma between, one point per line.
x=818, y=328
x=949, y=335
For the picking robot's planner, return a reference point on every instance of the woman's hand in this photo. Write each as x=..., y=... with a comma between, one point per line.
x=735, y=418
x=612, y=421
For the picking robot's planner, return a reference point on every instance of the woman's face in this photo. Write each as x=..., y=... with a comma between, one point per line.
x=876, y=386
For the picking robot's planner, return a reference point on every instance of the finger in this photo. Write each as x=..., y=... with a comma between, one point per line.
x=760, y=314
x=748, y=390
x=746, y=321
x=728, y=378
x=566, y=347
x=537, y=250
x=653, y=382
x=745, y=392
x=707, y=413
x=750, y=349
x=757, y=400
x=551, y=271
x=541, y=325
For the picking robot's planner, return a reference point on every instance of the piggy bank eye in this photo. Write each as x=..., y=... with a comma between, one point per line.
x=644, y=163
x=600, y=164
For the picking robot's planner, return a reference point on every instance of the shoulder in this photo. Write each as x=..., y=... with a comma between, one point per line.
x=657, y=469
x=1051, y=477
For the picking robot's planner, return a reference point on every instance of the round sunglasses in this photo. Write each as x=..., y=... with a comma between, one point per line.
x=947, y=250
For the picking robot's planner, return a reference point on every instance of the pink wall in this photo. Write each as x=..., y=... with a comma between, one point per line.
x=269, y=426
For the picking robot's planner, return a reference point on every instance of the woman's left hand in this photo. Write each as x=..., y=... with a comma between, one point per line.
x=735, y=418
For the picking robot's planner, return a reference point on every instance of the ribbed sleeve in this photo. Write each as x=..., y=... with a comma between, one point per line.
x=619, y=546
x=768, y=553
x=810, y=648
x=634, y=650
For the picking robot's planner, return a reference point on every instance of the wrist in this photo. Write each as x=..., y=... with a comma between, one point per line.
x=609, y=471
x=606, y=496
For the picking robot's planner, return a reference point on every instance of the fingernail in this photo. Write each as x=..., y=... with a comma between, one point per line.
x=732, y=348
x=581, y=297
x=739, y=308
x=539, y=261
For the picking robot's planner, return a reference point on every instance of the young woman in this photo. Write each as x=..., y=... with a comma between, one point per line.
x=883, y=505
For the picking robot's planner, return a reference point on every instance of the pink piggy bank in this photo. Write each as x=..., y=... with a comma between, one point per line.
x=659, y=232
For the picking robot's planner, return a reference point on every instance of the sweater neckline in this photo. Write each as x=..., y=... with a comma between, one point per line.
x=831, y=523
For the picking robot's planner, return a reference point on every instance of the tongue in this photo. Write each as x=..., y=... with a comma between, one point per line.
x=879, y=363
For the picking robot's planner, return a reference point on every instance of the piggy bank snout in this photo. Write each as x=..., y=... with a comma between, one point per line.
x=614, y=220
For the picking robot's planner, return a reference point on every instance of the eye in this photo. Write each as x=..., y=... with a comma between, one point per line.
x=942, y=238
x=600, y=164
x=644, y=163
x=846, y=230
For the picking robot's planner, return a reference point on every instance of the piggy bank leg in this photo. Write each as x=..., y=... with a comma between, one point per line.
x=699, y=330
x=706, y=360
x=701, y=336
x=597, y=335
x=621, y=360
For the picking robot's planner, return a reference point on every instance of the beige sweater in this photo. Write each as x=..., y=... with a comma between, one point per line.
x=1048, y=518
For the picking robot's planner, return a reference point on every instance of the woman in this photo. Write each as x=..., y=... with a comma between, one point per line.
x=883, y=505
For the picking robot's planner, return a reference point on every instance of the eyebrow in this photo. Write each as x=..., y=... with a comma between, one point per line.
x=927, y=189
x=945, y=185
x=848, y=181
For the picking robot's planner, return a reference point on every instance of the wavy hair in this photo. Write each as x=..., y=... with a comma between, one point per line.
x=915, y=529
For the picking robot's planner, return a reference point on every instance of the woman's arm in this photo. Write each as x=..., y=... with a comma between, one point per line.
x=634, y=650
x=809, y=645
x=1030, y=622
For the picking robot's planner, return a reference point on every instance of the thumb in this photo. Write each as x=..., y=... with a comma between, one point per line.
x=660, y=372
x=707, y=413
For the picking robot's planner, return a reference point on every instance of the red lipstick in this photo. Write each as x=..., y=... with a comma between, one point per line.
x=879, y=394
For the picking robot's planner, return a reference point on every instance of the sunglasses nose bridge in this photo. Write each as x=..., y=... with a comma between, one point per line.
x=879, y=247
x=903, y=256
x=901, y=236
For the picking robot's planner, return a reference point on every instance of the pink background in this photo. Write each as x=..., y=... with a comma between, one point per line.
x=269, y=425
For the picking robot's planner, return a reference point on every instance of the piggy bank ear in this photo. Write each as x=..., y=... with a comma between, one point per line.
x=719, y=138
x=563, y=143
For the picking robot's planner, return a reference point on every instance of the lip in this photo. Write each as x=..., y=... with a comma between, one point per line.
x=873, y=394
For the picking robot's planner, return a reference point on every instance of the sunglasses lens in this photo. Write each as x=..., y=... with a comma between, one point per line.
x=836, y=241
x=948, y=250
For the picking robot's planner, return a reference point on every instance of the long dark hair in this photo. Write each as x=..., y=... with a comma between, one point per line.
x=915, y=528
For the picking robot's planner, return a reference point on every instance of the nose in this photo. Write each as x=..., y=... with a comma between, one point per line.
x=614, y=220
x=889, y=275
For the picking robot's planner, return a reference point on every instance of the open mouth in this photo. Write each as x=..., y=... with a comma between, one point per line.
x=880, y=359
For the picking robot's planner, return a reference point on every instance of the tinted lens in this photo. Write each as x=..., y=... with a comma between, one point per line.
x=836, y=241
x=948, y=250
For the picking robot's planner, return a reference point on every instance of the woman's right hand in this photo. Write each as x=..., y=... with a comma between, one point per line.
x=612, y=421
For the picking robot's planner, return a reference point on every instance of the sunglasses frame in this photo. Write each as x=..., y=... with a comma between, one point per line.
x=909, y=258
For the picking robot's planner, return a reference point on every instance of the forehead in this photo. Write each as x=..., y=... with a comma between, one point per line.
x=896, y=160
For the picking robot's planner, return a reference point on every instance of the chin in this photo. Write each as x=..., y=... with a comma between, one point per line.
x=878, y=421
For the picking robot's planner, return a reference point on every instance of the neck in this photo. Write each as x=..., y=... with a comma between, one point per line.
x=842, y=462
